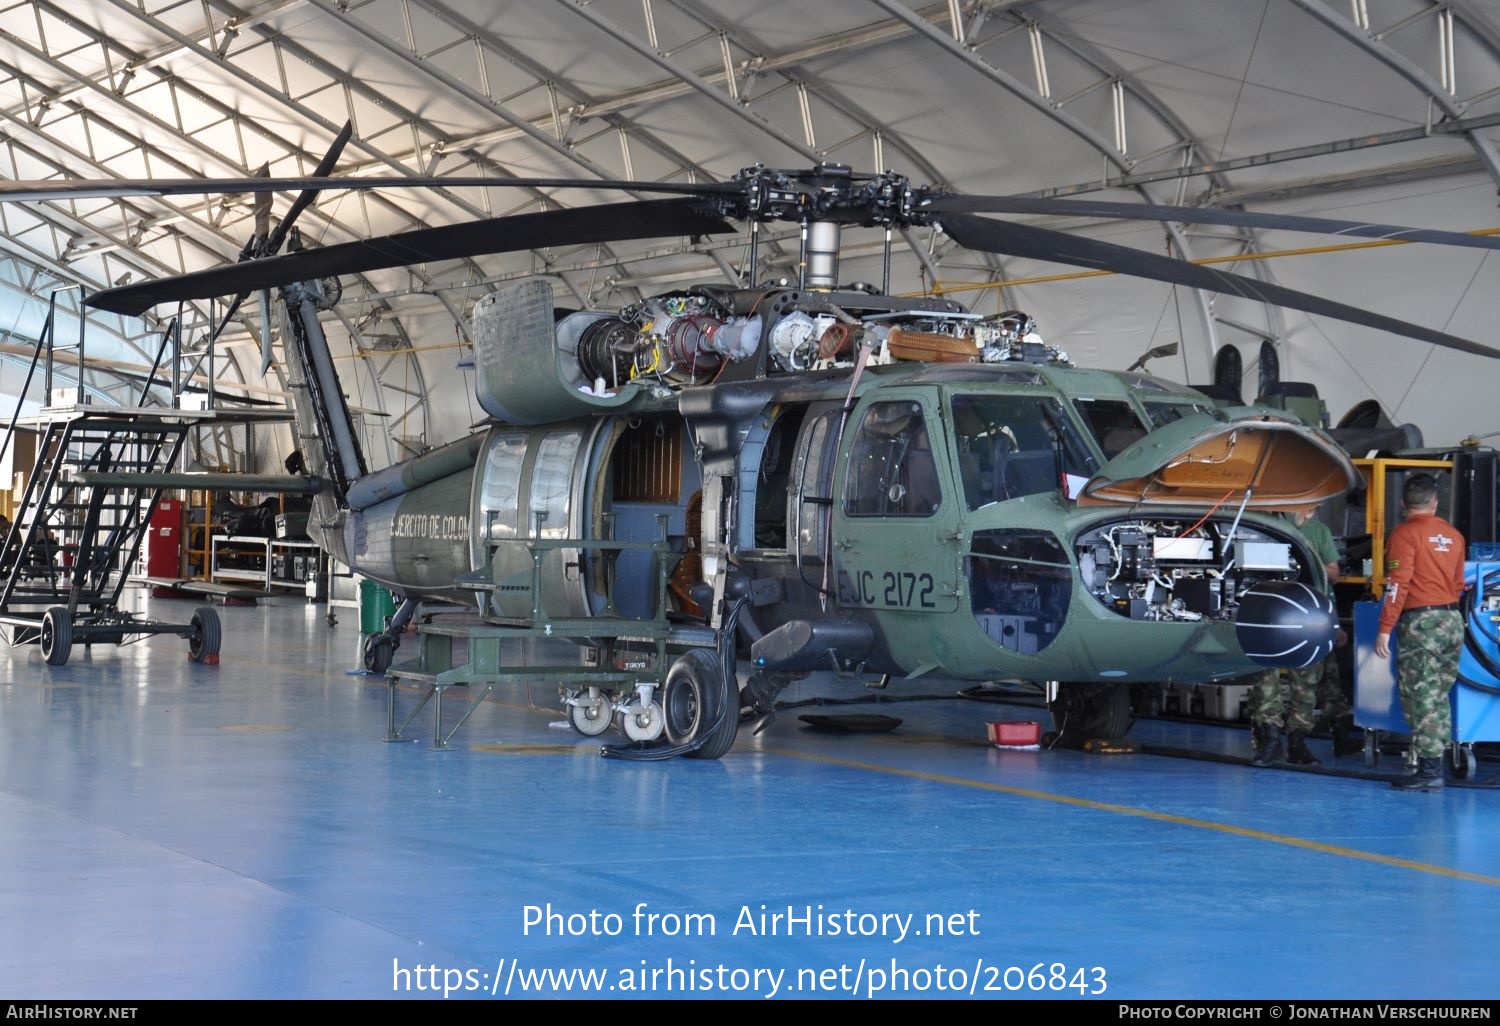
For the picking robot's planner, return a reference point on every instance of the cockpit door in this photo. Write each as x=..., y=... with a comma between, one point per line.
x=895, y=510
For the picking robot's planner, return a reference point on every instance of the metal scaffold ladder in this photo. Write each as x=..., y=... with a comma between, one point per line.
x=99, y=475
x=72, y=545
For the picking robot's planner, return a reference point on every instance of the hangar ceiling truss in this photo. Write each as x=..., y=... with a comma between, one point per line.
x=139, y=88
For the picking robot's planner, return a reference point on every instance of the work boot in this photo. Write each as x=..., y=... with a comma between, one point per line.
x=1346, y=739
x=1296, y=750
x=1429, y=777
x=1267, y=744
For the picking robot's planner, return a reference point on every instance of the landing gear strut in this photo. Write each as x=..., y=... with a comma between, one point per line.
x=699, y=702
x=1083, y=712
x=380, y=648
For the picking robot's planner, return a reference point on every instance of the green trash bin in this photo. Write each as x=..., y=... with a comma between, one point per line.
x=376, y=605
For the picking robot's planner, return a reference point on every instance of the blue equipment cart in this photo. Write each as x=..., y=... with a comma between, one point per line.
x=1476, y=694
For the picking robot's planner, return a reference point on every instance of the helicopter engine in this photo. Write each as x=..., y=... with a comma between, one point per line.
x=679, y=340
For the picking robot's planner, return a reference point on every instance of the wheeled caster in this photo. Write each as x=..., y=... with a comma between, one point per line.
x=590, y=713
x=642, y=722
x=1462, y=762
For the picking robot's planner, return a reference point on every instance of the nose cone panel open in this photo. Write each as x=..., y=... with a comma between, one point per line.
x=1267, y=461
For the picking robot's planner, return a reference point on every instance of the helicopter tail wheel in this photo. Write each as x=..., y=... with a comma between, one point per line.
x=642, y=721
x=700, y=703
x=203, y=643
x=1085, y=712
x=56, y=635
x=379, y=651
x=589, y=712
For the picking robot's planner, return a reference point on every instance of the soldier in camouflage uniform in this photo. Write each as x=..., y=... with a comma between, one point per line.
x=1424, y=579
x=1308, y=685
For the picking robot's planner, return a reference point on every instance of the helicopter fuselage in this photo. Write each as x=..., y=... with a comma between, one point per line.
x=915, y=504
x=949, y=535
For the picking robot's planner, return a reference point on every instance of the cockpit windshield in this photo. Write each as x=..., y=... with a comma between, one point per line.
x=1015, y=445
x=1114, y=422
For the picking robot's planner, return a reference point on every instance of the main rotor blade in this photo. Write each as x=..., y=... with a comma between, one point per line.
x=1204, y=215
x=38, y=190
x=982, y=233
x=647, y=219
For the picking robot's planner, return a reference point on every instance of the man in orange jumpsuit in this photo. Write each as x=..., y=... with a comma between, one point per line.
x=1424, y=561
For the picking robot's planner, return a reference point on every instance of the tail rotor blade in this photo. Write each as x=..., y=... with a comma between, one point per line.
x=262, y=207
x=306, y=196
x=265, y=331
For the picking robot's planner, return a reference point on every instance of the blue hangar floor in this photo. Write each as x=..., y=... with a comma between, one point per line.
x=243, y=831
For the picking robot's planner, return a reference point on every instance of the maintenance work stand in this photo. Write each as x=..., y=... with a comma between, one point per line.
x=97, y=480
x=617, y=676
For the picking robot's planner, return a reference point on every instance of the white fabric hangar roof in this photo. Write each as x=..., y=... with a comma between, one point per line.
x=1378, y=110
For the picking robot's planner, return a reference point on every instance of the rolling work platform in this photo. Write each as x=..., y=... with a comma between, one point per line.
x=99, y=475
x=622, y=684
x=65, y=561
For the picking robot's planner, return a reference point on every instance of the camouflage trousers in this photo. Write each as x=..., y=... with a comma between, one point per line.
x=1309, y=688
x=1428, y=645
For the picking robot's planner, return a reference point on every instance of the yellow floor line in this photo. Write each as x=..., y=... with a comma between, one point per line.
x=1162, y=817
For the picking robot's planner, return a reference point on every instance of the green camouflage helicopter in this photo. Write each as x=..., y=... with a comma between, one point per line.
x=849, y=480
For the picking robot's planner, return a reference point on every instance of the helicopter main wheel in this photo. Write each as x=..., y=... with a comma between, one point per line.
x=203, y=643
x=642, y=722
x=1372, y=748
x=56, y=635
x=698, y=701
x=1082, y=712
x=379, y=651
x=590, y=713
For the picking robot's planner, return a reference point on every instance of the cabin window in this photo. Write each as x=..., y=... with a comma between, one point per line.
x=551, y=483
x=499, y=496
x=1166, y=413
x=1113, y=423
x=892, y=472
x=1020, y=584
x=1011, y=446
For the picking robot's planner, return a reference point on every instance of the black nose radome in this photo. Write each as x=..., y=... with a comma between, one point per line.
x=1285, y=624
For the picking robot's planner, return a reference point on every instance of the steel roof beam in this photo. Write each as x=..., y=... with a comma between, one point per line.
x=1011, y=85
x=1371, y=44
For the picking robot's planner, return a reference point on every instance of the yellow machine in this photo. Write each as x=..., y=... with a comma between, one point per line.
x=1383, y=508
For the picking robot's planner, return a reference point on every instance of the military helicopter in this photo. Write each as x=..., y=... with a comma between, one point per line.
x=850, y=481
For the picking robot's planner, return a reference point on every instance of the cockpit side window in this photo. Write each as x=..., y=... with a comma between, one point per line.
x=1113, y=422
x=1165, y=413
x=892, y=472
x=1010, y=446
